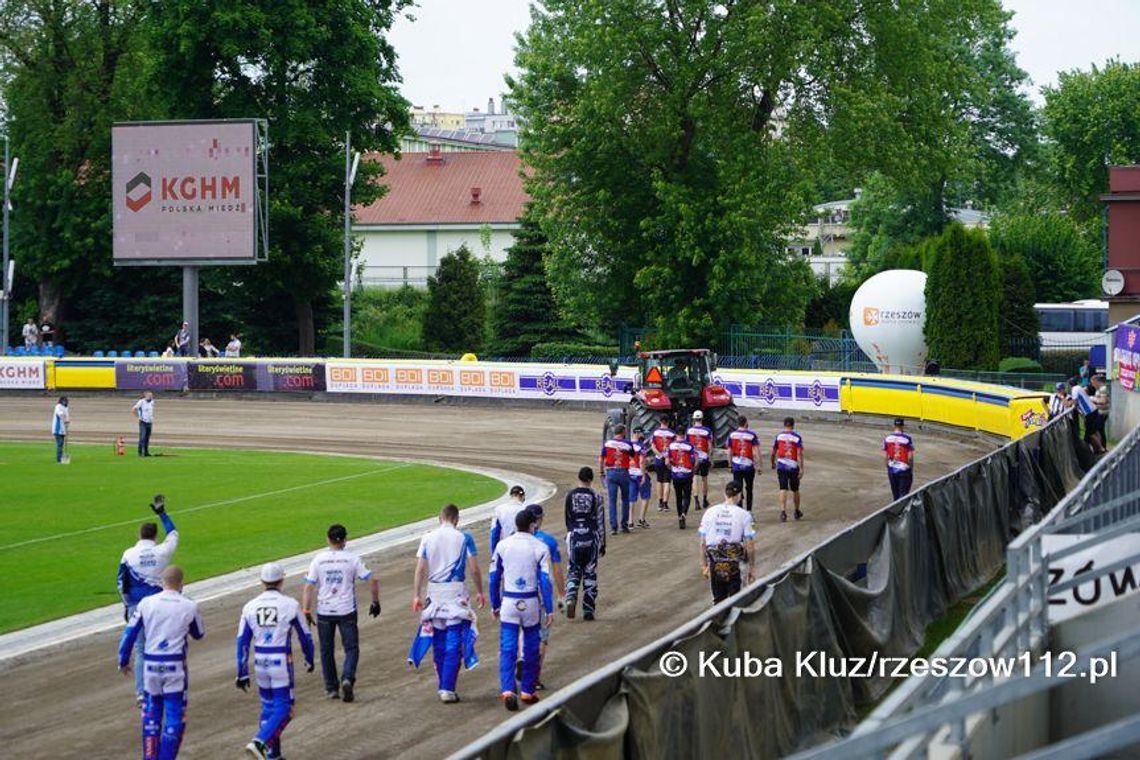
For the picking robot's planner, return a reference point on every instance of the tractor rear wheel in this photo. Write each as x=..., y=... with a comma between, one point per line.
x=641, y=416
x=722, y=420
x=614, y=417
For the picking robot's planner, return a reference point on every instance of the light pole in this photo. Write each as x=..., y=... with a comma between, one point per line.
x=6, y=291
x=351, y=161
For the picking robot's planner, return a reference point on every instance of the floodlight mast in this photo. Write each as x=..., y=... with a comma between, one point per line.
x=7, y=270
x=351, y=163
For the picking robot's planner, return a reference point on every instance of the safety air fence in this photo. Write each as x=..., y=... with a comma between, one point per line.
x=1001, y=410
x=788, y=662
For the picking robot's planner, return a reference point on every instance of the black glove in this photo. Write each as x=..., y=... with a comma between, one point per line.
x=158, y=506
x=374, y=610
x=126, y=614
x=242, y=683
x=309, y=619
x=309, y=666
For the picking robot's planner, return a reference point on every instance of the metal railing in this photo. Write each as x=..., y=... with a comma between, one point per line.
x=1011, y=621
x=394, y=276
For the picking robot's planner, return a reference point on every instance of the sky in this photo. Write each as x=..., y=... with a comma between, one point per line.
x=456, y=52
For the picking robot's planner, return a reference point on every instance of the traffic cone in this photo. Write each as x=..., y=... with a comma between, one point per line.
x=120, y=448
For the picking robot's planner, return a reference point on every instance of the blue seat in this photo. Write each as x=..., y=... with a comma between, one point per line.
x=140, y=354
x=112, y=354
x=98, y=354
x=59, y=352
x=21, y=351
x=126, y=354
x=153, y=355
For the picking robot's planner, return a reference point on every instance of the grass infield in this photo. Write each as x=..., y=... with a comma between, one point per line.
x=63, y=528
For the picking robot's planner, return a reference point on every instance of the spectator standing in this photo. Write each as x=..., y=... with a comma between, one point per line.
x=169, y=352
x=60, y=421
x=207, y=350
x=182, y=340
x=233, y=348
x=1059, y=401
x=1099, y=394
x=1084, y=372
x=334, y=573
x=144, y=411
x=1083, y=401
x=47, y=335
x=31, y=334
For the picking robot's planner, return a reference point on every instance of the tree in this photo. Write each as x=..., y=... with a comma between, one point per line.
x=315, y=71
x=1018, y=323
x=69, y=69
x=1093, y=120
x=831, y=304
x=884, y=229
x=456, y=312
x=963, y=301
x=675, y=144
x=525, y=313
x=1063, y=264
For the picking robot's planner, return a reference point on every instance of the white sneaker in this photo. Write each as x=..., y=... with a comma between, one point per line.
x=448, y=697
x=256, y=750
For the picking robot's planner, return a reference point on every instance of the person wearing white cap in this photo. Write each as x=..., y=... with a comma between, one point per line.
x=268, y=622
x=702, y=439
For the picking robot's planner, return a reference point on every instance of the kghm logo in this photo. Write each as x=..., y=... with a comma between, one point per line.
x=138, y=191
x=870, y=316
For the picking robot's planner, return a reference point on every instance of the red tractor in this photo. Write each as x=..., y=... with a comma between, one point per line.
x=671, y=385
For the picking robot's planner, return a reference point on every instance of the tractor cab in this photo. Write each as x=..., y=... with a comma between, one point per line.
x=680, y=374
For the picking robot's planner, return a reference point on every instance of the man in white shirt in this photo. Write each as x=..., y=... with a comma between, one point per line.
x=140, y=573
x=166, y=618
x=334, y=573
x=233, y=348
x=268, y=622
x=521, y=594
x=727, y=542
x=31, y=334
x=60, y=421
x=447, y=622
x=144, y=411
x=503, y=518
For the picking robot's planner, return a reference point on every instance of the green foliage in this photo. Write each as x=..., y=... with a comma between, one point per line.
x=1018, y=364
x=1065, y=362
x=1018, y=324
x=885, y=229
x=963, y=301
x=1063, y=264
x=69, y=69
x=384, y=318
x=525, y=312
x=1093, y=120
x=456, y=313
x=831, y=305
x=561, y=350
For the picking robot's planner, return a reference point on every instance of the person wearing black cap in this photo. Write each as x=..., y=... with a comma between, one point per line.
x=727, y=541
x=585, y=543
x=898, y=453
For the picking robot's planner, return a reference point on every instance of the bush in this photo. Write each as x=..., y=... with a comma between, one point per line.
x=554, y=350
x=1063, y=362
x=1018, y=364
x=456, y=314
x=384, y=318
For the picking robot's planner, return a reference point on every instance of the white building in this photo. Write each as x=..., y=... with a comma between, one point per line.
x=436, y=202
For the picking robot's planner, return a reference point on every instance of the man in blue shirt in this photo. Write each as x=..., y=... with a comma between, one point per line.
x=559, y=585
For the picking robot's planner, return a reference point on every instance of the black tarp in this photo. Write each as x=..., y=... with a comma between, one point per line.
x=870, y=590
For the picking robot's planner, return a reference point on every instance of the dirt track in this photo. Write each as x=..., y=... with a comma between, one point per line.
x=72, y=703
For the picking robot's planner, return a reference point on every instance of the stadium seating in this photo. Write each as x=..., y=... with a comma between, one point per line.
x=112, y=354
x=98, y=354
x=153, y=355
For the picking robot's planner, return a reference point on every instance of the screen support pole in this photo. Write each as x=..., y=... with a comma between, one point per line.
x=190, y=305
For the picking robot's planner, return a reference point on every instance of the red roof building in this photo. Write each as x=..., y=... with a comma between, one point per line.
x=435, y=203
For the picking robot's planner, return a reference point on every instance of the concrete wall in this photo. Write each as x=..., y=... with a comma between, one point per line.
x=1124, y=411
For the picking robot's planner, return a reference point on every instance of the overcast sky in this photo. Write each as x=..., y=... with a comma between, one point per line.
x=456, y=52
